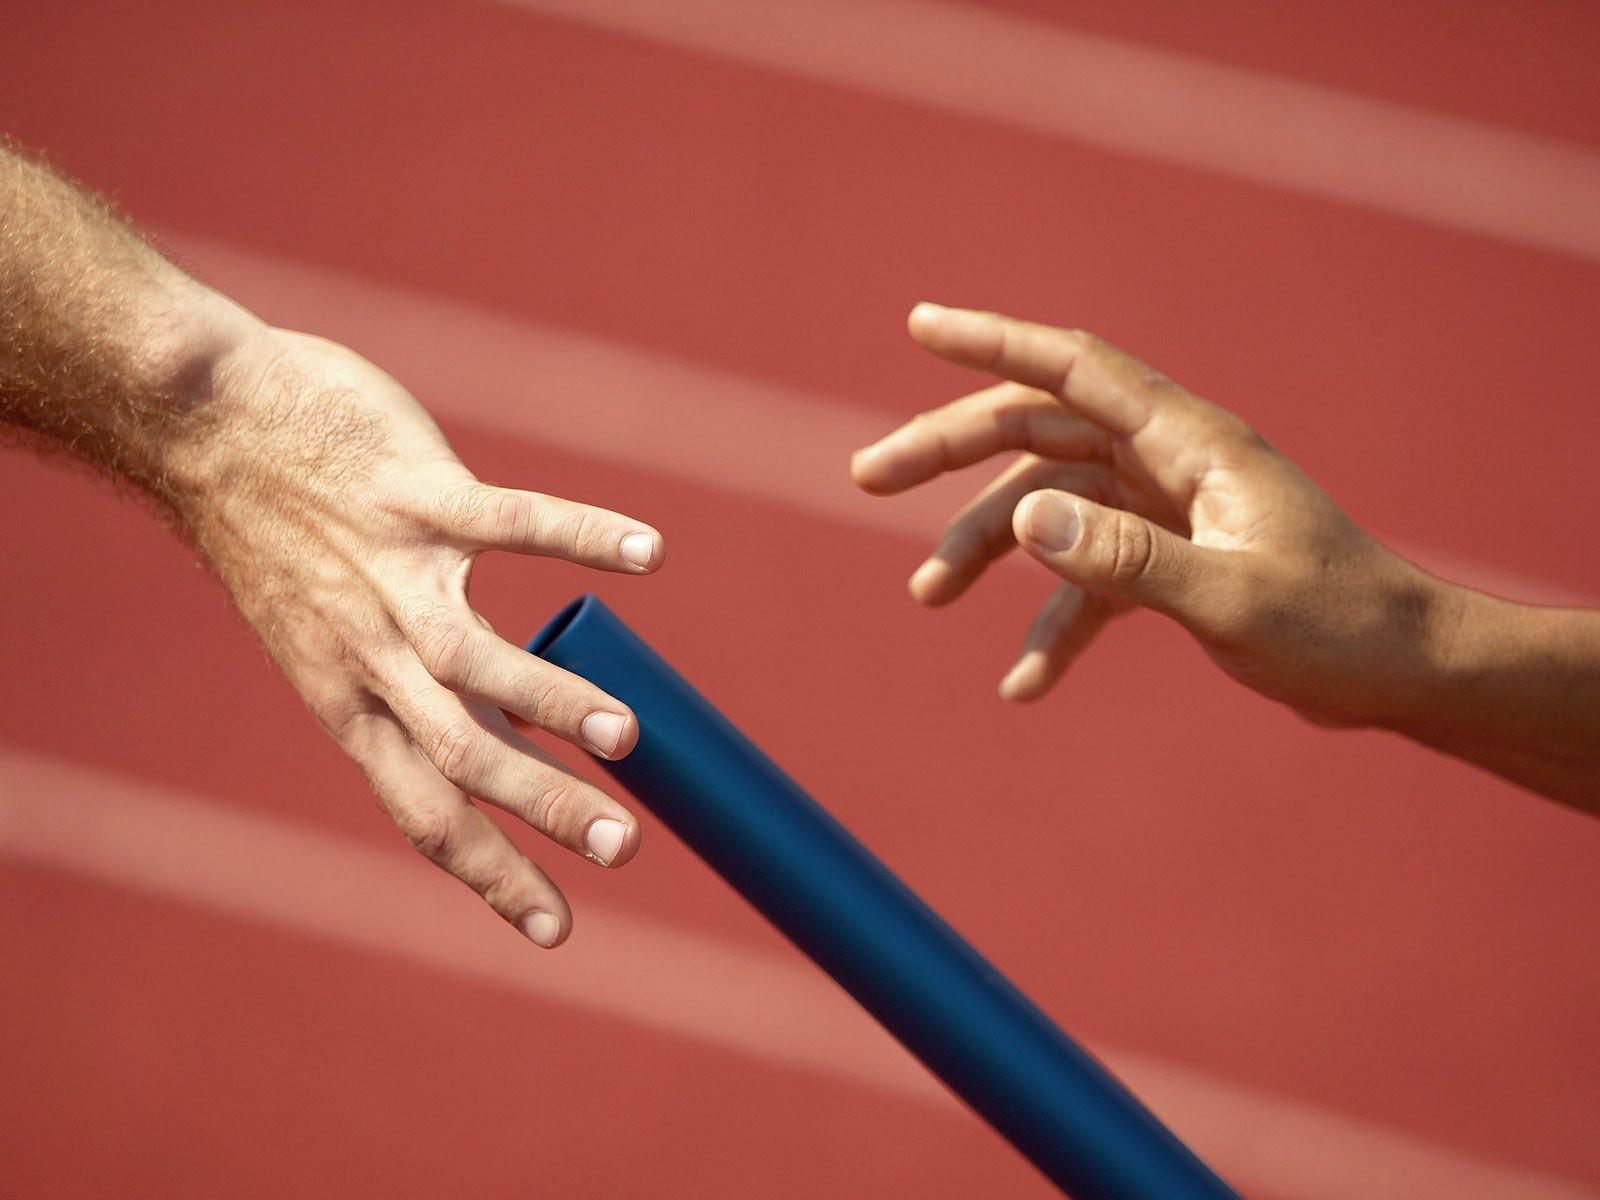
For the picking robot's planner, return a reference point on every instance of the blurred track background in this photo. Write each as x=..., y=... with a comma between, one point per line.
x=657, y=256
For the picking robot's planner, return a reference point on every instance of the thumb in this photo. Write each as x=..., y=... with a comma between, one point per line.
x=1110, y=551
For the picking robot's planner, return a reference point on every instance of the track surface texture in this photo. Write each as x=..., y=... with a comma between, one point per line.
x=657, y=256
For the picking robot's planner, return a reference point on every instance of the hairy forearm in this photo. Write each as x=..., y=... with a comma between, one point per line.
x=1516, y=690
x=334, y=511
x=108, y=350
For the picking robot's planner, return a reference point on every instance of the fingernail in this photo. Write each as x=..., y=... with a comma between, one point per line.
x=1008, y=685
x=639, y=548
x=865, y=461
x=603, y=732
x=1053, y=523
x=605, y=838
x=1021, y=684
x=928, y=309
x=927, y=576
x=541, y=928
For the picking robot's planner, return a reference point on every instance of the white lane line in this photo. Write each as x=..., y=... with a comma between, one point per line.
x=606, y=400
x=1147, y=103
x=262, y=869
x=775, y=1008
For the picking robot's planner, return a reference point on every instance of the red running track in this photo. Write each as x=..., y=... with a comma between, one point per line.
x=654, y=269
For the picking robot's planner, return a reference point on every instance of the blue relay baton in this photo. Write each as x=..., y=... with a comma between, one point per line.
x=826, y=892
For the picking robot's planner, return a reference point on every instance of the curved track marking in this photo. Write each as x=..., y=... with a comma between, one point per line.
x=701, y=423
x=775, y=1008
x=1149, y=103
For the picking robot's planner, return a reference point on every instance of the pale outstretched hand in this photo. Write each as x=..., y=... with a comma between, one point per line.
x=344, y=526
x=346, y=530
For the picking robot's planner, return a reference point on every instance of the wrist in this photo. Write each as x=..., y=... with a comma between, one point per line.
x=1513, y=689
x=1424, y=676
x=187, y=349
x=1382, y=643
x=184, y=337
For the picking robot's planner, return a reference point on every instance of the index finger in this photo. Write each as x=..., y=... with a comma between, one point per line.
x=1093, y=379
x=486, y=517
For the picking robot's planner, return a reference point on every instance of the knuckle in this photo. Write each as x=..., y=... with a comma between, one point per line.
x=1092, y=349
x=559, y=810
x=992, y=537
x=453, y=749
x=925, y=427
x=1129, y=550
x=960, y=539
x=484, y=513
x=1150, y=382
x=349, y=720
x=1247, y=436
x=440, y=640
x=430, y=831
x=543, y=701
x=1001, y=348
x=1088, y=347
x=503, y=891
x=1014, y=424
x=582, y=530
x=507, y=514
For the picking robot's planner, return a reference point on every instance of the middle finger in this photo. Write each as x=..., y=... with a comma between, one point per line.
x=458, y=651
x=474, y=746
x=1006, y=416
